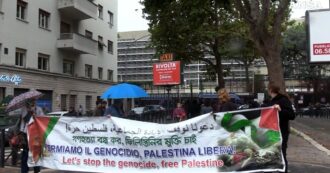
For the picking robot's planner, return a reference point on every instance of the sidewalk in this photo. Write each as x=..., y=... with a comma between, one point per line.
x=303, y=157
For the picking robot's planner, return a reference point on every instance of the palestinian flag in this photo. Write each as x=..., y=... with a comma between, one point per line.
x=256, y=135
x=258, y=123
x=38, y=131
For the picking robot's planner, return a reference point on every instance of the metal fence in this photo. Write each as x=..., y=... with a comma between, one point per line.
x=322, y=112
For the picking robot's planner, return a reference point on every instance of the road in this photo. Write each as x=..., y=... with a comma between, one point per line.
x=317, y=128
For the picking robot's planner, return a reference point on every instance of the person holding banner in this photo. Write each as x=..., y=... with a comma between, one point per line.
x=283, y=104
x=28, y=111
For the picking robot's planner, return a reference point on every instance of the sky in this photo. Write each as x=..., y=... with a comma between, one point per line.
x=130, y=13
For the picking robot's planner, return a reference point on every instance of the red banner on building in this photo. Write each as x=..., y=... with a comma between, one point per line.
x=167, y=73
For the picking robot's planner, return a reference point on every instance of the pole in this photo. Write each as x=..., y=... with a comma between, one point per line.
x=168, y=89
x=191, y=91
x=2, y=148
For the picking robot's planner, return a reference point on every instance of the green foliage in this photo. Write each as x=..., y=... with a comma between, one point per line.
x=192, y=30
x=294, y=55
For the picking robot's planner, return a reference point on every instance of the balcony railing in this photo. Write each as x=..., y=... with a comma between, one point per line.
x=77, y=43
x=77, y=9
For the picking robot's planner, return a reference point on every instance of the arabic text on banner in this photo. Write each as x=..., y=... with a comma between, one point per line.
x=241, y=141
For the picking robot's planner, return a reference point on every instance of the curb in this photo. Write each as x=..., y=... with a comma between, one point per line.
x=312, y=141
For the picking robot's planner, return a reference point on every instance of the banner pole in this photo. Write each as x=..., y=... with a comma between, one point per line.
x=245, y=110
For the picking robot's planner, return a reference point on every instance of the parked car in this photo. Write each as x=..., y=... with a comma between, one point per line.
x=137, y=110
x=153, y=108
x=146, y=113
x=57, y=114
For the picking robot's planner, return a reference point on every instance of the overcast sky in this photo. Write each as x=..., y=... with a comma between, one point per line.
x=130, y=13
x=130, y=16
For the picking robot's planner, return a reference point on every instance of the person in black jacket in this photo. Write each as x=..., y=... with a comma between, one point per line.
x=284, y=106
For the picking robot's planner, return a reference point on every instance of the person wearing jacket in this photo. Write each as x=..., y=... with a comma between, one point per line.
x=284, y=106
x=179, y=113
x=225, y=103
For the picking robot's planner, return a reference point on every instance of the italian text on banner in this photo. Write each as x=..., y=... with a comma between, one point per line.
x=240, y=141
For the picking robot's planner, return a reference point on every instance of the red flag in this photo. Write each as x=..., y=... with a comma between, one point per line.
x=269, y=119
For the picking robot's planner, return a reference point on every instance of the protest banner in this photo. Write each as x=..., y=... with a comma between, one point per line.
x=241, y=141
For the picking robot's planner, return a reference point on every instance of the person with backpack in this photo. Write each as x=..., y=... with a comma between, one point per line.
x=286, y=113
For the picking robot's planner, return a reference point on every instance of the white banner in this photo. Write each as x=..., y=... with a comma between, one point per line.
x=118, y=145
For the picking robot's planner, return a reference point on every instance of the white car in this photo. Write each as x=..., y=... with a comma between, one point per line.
x=138, y=110
x=57, y=114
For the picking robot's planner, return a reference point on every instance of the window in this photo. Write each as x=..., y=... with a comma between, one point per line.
x=65, y=27
x=110, y=75
x=100, y=42
x=21, y=10
x=20, y=57
x=100, y=12
x=68, y=67
x=88, y=34
x=43, y=62
x=88, y=105
x=110, y=46
x=63, y=102
x=100, y=73
x=44, y=19
x=110, y=19
x=73, y=101
x=88, y=71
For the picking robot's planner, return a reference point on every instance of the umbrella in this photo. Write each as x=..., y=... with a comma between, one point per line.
x=124, y=90
x=20, y=100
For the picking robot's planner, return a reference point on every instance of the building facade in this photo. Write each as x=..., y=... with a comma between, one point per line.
x=135, y=63
x=67, y=49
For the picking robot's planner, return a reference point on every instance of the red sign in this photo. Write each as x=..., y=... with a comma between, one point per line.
x=167, y=73
x=321, y=49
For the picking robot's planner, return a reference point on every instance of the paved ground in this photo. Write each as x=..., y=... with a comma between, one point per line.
x=302, y=155
x=317, y=128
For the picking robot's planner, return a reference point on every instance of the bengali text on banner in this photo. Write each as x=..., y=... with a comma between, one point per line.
x=241, y=141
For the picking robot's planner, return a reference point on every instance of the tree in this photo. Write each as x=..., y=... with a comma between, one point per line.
x=193, y=30
x=244, y=53
x=266, y=20
x=295, y=60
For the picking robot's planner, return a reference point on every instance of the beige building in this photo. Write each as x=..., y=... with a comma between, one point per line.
x=67, y=49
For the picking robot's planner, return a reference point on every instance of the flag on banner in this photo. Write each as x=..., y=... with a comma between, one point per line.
x=237, y=141
x=39, y=129
x=256, y=136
